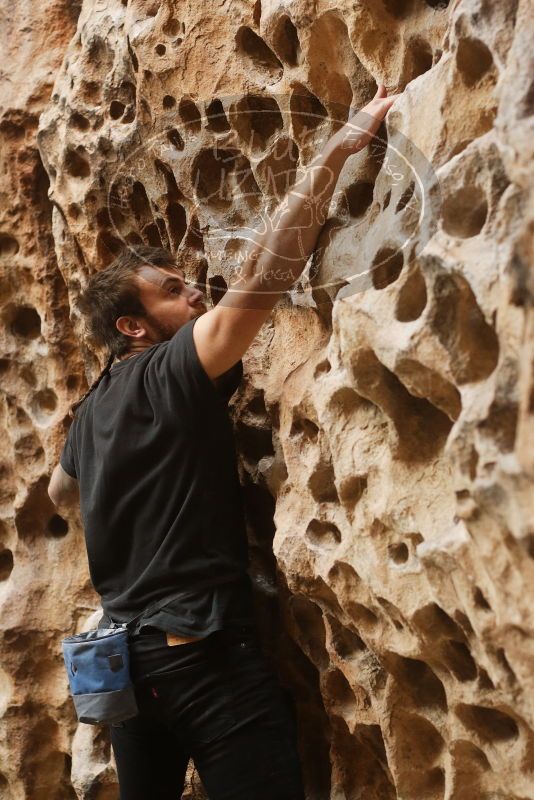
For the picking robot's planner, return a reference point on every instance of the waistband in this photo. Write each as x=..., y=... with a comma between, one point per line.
x=150, y=654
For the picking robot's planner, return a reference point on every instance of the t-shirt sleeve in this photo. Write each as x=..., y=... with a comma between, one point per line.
x=181, y=358
x=66, y=458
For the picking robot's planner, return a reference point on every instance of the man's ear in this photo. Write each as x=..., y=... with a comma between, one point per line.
x=130, y=326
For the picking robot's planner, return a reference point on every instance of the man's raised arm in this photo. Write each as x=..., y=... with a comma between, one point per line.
x=277, y=256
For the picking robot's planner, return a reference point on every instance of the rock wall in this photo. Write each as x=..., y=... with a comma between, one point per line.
x=386, y=421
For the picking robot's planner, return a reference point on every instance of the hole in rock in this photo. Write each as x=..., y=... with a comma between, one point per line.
x=26, y=322
x=134, y=238
x=160, y=49
x=91, y=91
x=417, y=680
x=362, y=616
x=6, y=564
x=419, y=741
x=346, y=401
x=463, y=620
x=386, y=267
x=45, y=400
x=307, y=111
x=116, y=109
x=189, y=114
x=420, y=427
x=345, y=642
x=468, y=755
x=8, y=245
x=340, y=693
x=387, y=199
x=152, y=235
x=255, y=440
x=177, y=223
x=359, y=196
x=219, y=176
x=412, y=298
x=175, y=139
x=169, y=101
x=310, y=629
x=393, y=612
x=323, y=534
x=151, y=7
x=218, y=288
x=473, y=59
x=133, y=57
x=490, y=725
x=435, y=623
x=256, y=119
x=345, y=577
x=405, y=197
x=57, y=526
x=74, y=211
x=505, y=664
x=140, y=205
x=252, y=46
x=398, y=553
x=107, y=247
x=484, y=680
x=286, y=41
x=279, y=167
x=171, y=27
x=194, y=238
x=76, y=164
x=325, y=597
x=259, y=508
x=479, y=600
x=322, y=368
x=432, y=783
x=352, y=489
x=78, y=121
x=439, y=5
x=321, y=483
x=216, y=117
x=102, y=218
x=304, y=427
x=464, y=212
x=420, y=58
x=424, y=382
x=399, y=9
x=257, y=405
x=459, y=660
x=461, y=327
x=256, y=14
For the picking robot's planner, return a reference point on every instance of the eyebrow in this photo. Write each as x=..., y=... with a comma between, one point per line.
x=172, y=278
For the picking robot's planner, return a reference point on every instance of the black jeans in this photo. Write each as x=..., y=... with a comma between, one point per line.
x=217, y=701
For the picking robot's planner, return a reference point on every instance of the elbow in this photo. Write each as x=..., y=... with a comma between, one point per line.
x=54, y=497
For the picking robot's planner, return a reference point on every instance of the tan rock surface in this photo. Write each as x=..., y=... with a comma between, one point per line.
x=386, y=421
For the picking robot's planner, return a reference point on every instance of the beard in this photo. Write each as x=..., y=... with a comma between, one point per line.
x=165, y=331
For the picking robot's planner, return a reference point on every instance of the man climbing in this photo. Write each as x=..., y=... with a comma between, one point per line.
x=150, y=455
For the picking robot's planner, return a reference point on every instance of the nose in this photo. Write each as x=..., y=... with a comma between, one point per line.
x=194, y=295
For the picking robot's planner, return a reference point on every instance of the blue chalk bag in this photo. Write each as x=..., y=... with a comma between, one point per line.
x=98, y=669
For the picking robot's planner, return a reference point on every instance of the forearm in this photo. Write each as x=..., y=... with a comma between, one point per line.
x=277, y=255
x=296, y=223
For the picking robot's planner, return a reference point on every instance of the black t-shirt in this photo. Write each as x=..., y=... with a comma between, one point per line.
x=153, y=450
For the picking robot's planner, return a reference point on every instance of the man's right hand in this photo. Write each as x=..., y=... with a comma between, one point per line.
x=361, y=128
x=223, y=334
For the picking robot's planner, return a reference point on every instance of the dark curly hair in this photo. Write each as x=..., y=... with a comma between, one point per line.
x=111, y=293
